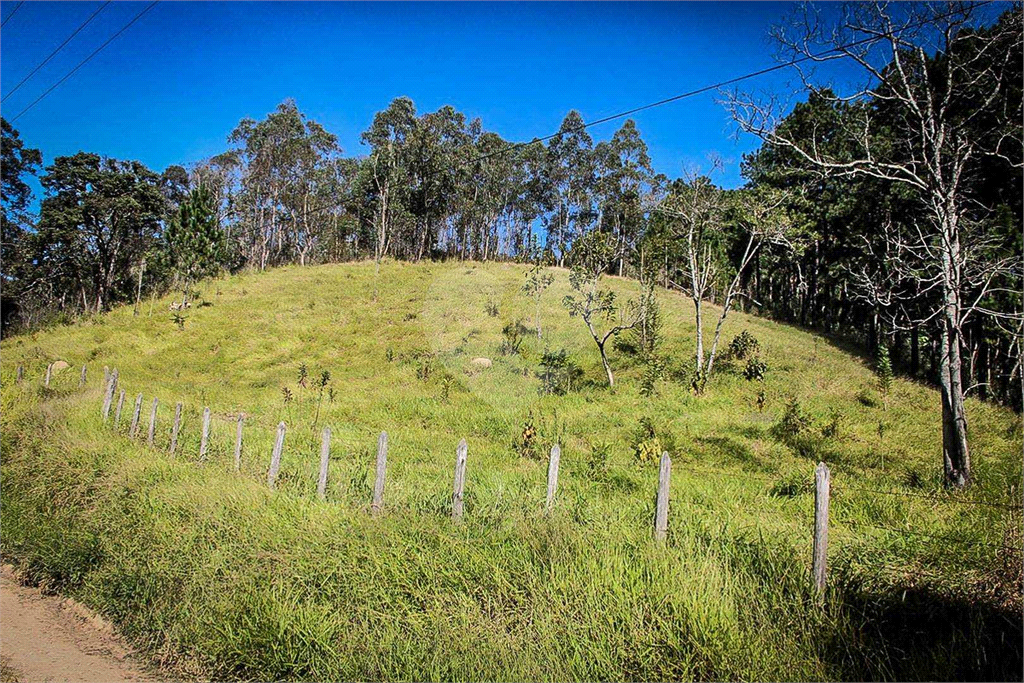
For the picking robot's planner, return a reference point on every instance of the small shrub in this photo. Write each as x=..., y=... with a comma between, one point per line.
x=755, y=369
x=559, y=373
x=835, y=426
x=647, y=444
x=794, y=421
x=512, y=338
x=654, y=370
x=491, y=308
x=526, y=444
x=597, y=459
x=389, y=354
x=179, y=320
x=762, y=400
x=743, y=345
x=883, y=368
x=303, y=374
x=447, y=382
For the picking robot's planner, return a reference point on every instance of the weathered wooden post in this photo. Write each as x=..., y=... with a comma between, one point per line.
x=661, y=509
x=205, y=439
x=117, y=413
x=152, y=422
x=49, y=369
x=325, y=457
x=556, y=456
x=108, y=398
x=822, y=483
x=381, y=475
x=176, y=427
x=134, y=431
x=81, y=379
x=238, y=442
x=106, y=375
x=21, y=374
x=459, y=484
x=275, y=458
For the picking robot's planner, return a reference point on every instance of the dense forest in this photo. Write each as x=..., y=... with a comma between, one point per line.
x=890, y=217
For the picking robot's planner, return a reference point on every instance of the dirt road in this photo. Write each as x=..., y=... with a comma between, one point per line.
x=48, y=638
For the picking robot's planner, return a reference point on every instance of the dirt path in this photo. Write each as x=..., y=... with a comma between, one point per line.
x=48, y=638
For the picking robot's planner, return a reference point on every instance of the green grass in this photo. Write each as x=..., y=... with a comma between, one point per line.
x=218, y=577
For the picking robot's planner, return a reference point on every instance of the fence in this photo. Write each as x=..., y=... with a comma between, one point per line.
x=823, y=487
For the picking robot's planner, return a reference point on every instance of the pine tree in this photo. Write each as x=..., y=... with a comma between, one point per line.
x=194, y=240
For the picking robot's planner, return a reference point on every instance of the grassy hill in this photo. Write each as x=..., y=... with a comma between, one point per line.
x=216, y=576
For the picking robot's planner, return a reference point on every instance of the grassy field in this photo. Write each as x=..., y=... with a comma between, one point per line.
x=215, y=576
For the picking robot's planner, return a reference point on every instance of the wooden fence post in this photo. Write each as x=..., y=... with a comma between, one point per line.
x=134, y=431
x=459, y=483
x=275, y=458
x=238, y=442
x=325, y=457
x=661, y=509
x=176, y=427
x=108, y=397
x=822, y=482
x=49, y=369
x=152, y=422
x=106, y=375
x=117, y=412
x=81, y=379
x=382, y=468
x=205, y=439
x=21, y=374
x=556, y=456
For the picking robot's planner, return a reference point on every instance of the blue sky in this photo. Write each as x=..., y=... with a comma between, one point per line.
x=172, y=87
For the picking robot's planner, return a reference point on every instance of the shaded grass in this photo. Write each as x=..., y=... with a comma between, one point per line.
x=218, y=577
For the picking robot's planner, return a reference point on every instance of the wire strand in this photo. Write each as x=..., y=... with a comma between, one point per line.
x=52, y=54
x=13, y=12
x=86, y=60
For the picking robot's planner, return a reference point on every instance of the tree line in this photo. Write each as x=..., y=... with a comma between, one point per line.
x=890, y=216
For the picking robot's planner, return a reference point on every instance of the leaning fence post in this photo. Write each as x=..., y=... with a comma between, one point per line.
x=382, y=468
x=177, y=425
x=275, y=458
x=49, y=369
x=460, y=479
x=117, y=412
x=108, y=397
x=238, y=442
x=21, y=374
x=822, y=481
x=152, y=422
x=556, y=456
x=661, y=509
x=325, y=457
x=81, y=379
x=106, y=375
x=204, y=440
x=134, y=431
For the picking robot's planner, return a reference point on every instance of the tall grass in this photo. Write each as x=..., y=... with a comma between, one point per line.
x=216, y=576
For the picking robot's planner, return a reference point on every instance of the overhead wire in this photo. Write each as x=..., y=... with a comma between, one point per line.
x=13, y=12
x=54, y=53
x=86, y=60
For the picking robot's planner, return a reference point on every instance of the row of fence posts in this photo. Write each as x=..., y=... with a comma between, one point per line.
x=822, y=475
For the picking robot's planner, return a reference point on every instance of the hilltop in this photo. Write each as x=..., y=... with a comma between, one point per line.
x=209, y=571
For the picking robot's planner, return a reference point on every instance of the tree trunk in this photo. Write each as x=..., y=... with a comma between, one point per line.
x=607, y=365
x=956, y=456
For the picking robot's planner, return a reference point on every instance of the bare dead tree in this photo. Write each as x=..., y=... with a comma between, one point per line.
x=932, y=105
x=700, y=209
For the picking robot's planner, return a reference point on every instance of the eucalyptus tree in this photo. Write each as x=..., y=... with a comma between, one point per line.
x=389, y=137
x=624, y=179
x=571, y=176
x=936, y=102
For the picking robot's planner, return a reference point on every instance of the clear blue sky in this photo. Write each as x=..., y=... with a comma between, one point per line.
x=172, y=87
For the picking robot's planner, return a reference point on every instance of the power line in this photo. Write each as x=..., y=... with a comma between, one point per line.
x=52, y=54
x=84, y=61
x=731, y=81
x=13, y=12
x=721, y=84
